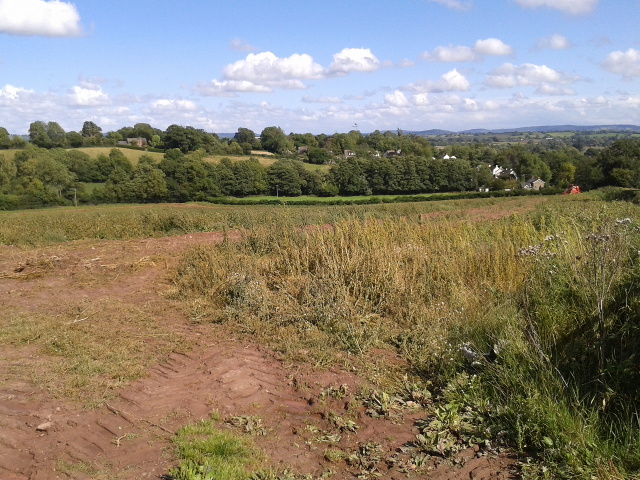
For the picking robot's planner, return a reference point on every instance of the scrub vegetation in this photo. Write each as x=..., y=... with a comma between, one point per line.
x=523, y=330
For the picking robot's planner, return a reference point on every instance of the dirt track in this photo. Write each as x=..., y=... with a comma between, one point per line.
x=128, y=436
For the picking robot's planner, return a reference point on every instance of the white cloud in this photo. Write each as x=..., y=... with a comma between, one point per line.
x=572, y=7
x=492, y=46
x=626, y=63
x=353, y=60
x=229, y=88
x=88, y=97
x=546, y=89
x=166, y=105
x=449, y=82
x=267, y=69
x=239, y=45
x=10, y=94
x=406, y=63
x=38, y=17
x=90, y=83
x=460, y=53
x=396, y=99
x=527, y=74
x=450, y=54
x=420, y=99
x=308, y=99
x=554, y=42
x=455, y=4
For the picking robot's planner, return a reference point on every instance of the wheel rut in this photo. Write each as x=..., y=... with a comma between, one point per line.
x=130, y=434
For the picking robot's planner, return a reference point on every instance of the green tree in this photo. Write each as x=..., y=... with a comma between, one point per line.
x=349, y=177
x=82, y=165
x=74, y=139
x=284, y=179
x=317, y=155
x=187, y=177
x=274, y=140
x=620, y=163
x=245, y=135
x=38, y=134
x=8, y=171
x=90, y=129
x=148, y=183
x=5, y=139
x=250, y=178
x=57, y=135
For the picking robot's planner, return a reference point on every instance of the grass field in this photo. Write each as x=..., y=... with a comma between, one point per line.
x=510, y=322
x=132, y=155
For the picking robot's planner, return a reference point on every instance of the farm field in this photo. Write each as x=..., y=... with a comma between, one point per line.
x=320, y=341
x=265, y=158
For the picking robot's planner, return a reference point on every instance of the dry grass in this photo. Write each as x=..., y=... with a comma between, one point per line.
x=91, y=349
x=422, y=287
x=132, y=155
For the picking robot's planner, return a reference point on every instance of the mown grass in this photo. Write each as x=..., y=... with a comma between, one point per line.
x=57, y=225
x=554, y=291
x=92, y=350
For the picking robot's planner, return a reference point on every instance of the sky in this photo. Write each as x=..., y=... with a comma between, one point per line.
x=319, y=67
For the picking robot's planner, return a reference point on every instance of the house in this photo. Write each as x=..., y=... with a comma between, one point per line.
x=349, y=154
x=392, y=153
x=534, y=183
x=303, y=149
x=503, y=173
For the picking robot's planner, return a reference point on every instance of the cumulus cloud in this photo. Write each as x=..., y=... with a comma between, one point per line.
x=554, y=42
x=353, y=60
x=455, y=4
x=396, y=99
x=88, y=97
x=450, y=54
x=626, y=63
x=308, y=99
x=546, y=89
x=39, y=18
x=167, y=105
x=10, y=94
x=449, y=82
x=492, y=46
x=263, y=72
x=572, y=7
x=527, y=74
x=460, y=53
x=267, y=69
x=229, y=88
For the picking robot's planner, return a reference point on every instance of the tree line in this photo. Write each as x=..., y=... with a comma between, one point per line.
x=375, y=164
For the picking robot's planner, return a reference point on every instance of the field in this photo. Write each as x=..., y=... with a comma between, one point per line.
x=266, y=159
x=488, y=338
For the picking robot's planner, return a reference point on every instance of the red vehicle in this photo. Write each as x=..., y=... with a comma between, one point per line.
x=571, y=190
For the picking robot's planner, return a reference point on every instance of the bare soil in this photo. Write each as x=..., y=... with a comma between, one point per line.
x=44, y=435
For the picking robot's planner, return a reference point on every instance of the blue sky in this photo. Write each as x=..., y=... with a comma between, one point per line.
x=319, y=67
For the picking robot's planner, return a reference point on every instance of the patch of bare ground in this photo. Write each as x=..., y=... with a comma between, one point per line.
x=71, y=313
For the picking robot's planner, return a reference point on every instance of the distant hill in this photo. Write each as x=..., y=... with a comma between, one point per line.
x=538, y=129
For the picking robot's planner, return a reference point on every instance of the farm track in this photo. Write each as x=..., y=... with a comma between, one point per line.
x=44, y=436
